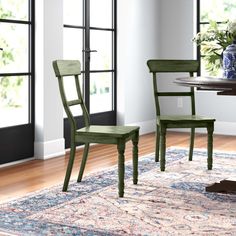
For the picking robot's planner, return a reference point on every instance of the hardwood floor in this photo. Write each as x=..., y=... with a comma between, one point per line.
x=30, y=176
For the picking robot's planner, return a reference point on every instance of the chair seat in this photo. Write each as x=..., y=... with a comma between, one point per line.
x=105, y=134
x=186, y=121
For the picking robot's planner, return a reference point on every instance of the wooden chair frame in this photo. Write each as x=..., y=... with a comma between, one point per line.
x=178, y=121
x=118, y=135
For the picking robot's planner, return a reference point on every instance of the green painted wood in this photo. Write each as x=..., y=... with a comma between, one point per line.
x=172, y=65
x=117, y=135
x=67, y=67
x=109, y=131
x=74, y=102
x=165, y=122
x=182, y=94
x=135, y=158
x=83, y=163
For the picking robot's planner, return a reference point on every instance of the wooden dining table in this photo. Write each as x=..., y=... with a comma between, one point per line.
x=222, y=86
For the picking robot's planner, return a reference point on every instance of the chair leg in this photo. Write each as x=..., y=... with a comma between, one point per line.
x=121, y=167
x=83, y=162
x=135, y=158
x=157, y=144
x=163, y=148
x=191, y=144
x=210, y=130
x=69, y=166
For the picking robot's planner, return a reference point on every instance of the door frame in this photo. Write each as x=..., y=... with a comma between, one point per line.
x=17, y=142
x=102, y=118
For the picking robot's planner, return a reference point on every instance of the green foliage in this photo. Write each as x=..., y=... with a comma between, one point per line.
x=9, y=86
x=213, y=42
x=5, y=14
x=9, y=90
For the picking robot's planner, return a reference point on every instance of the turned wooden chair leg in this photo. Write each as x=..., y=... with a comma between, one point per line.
x=163, y=148
x=121, y=167
x=83, y=162
x=210, y=130
x=135, y=158
x=157, y=150
x=192, y=134
x=69, y=166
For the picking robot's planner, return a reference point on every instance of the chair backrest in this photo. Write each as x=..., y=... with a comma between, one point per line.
x=175, y=66
x=64, y=69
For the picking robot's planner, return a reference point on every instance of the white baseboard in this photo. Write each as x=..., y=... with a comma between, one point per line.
x=225, y=128
x=49, y=149
x=146, y=127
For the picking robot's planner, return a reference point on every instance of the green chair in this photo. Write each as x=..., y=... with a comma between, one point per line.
x=164, y=122
x=118, y=135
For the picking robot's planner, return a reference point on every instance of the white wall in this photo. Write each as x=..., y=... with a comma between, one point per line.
x=176, y=29
x=49, y=139
x=176, y=32
x=138, y=41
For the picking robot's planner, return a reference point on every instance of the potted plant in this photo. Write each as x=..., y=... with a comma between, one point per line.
x=213, y=41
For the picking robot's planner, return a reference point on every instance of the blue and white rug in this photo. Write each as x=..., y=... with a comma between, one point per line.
x=173, y=202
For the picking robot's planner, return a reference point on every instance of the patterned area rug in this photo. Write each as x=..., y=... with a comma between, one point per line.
x=173, y=202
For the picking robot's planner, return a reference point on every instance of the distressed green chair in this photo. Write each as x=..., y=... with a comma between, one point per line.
x=164, y=122
x=118, y=135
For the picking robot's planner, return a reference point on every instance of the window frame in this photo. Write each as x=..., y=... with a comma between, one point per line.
x=13, y=147
x=198, y=29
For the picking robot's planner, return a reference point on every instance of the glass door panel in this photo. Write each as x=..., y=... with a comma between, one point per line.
x=14, y=101
x=101, y=13
x=217, y=10
x=73, y=12
x=101, y=92
x=73, y=44
x=14, y=40
x=102, y=42
x=15, y=9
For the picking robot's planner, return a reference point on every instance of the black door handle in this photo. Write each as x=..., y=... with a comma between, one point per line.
x=88, y=50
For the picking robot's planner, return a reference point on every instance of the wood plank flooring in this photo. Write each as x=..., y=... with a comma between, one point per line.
x=30, y=176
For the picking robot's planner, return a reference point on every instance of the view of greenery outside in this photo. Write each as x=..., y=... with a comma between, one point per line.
x=13, y=59
x=219, y=11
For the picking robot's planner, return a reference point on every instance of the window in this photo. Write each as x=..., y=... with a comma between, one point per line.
x=213, y=10
x=16, y=79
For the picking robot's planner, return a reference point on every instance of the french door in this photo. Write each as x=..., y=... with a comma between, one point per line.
x=16, y=80
x=90, y=36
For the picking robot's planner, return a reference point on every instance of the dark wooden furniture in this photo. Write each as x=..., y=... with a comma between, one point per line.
x=164, y=122
x=119, y=135
x=222, y=87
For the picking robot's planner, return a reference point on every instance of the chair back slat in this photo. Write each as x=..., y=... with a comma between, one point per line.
x=63, y=69
x=156, y=66
x=67, y=67
x=174, y=94
x=74, y=102
x=172, y=66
